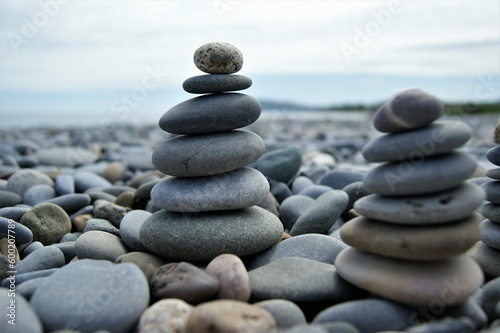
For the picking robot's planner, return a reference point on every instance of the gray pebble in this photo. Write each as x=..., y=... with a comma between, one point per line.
x=70, y=202
x=487, y=257
x=48, y=222
x=21, y=278
x=96, y=224
x=24, y=316
x=491, y=211
x=493, y=173
x=65, y=184
x=85, y=180
x=14, y=213
x=44, y=258
x=130, y=226
x=492, y=190
x=70, y=237
x=280, y=191
x=315, y=191
x=338, y=179
x=27, y=288
x=65, y=156
x=285, y=312
x=23, y=179
x=110, y=211
x=29, y=161
x=22, y=233
x=218, y=58
x=32, y=247
x=355, y=191
x=68, y=249
x=216, y=83
x=300, y=183
x=490, y=234
x=99, y=245
x=292, y=208
x=493, y=155
x=280, y=164
x=8, y=199
x=38, y=193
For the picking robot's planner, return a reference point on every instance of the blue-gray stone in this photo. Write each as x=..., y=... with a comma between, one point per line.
x=435, y=139
x=322, y=214
x=236, y=189
x=99, y=245
x=355, y=191
x=286, y=313
x=311, y=246
x=198, y=237
x=8, y=199
x=14, y=213
x=315, y=191
x=109, y=297
x=280, y=164
x=211, y=114
x=209, y=154
x=23, y=179
x=70, y=237
x=492, y=190
x=493, y=173
x=27, y=288
x=38, y=193
x=96, y=224
x=338, y=179
x=30, y=248
x=487, y=257
x=24, y=318
x=23, y=235
x=130, y=227
x=216, y=83
x=491, y=211
x=70, y=202
x=28, y=161
x=65, y=184
x=44, y=258
x=85, y=180
x=490, y=233
x=68, y=249
x=300, y=183
x=85, y=210
x=434, y=174
x=292, y=208
x=280, y=191
x=493, y=155
x=65, y=156
x=21, y=278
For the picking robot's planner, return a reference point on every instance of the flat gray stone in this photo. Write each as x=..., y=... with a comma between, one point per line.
x=22, y=233
x=198, y=237
x=130, y=227
x=237, y=189
x=310, y=246
x=24, y=316
x=70, y=202
x=109, y=297
x=216, y=83
x=8, y=199
x=99, y=245
x=493, y=173
x=487, y=257
x=492, y=190
x=96, y=224
x=45, y=258
x=322, y=214
x=207, y=155
x=211, y=114
x=280, y=164
x=434, y=174
x=292, y=208
x=38, y=193
x=218, y=58
x=65, y=156
x=23, y=179
x=406, y=110
x=491, y=211
x=490, y=233
x=65, y=184
x=493, y=155
x=453, y=205
x=306, y=281
x=300, y=183
x=437, y=138
x=85, y=180
x=315, y=191
x=286, y=313
x=338, y=179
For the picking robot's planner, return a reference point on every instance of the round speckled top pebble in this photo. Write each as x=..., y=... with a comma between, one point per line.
x=218, y=58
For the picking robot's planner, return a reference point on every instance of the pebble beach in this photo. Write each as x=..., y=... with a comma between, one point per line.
x=222, y=217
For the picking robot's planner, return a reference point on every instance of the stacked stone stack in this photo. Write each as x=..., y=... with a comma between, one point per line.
x=208, y=199
x=487, y=251
x=409, y=243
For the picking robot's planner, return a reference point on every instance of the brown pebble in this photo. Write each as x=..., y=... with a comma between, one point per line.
x=80, y=221
x=126, y=199
x=4, y=249
x=232, y=276
x=114, y=171
x=145, y=261
x=285, y=236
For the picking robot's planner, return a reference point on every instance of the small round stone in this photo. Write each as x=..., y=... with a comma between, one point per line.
x=493, y=173
x=406, y=110
x=207, y=155
x=424, y=243
x=9, y=199
x=492, y=190
x=292, y=208
x=410, y=282
x=434, y=174
x=23, y=234
x=491, y=211
x=85, y=180
x=99, y=245
x=211, y=114
x=44, y=258
x=94, y=224
x=218, y=58
x=280, y=164
x=490, y=234
x=237, y=189
x=216, y=83
x=130, y=226
x=232, y=276
x=493, y=155
x=435, y=139
x=65, y=184
x=23, y=179
x=447, y=206
x=165, y=316
x=48, y=222
x=285, y=312
x=487, y=257
x=70, y=202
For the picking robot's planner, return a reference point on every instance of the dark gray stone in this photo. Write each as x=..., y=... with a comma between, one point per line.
x=218, y=58
x=30, y=248
x=492, y=190
x=8, y=199
x=280, y=191
x=68, y=249
x=447, y=325
x=27, y=288
x=70, y=202
x=434, y=174
x=28, y=161
x=24, y=316
x=198, y=237
x=65, y=184
x=113, y=296
x=211, y=114
x=48, y=222
x=315, y=191
x=491, y=211
x=300, y=183
x=338, y=179
x=95, y=224
x=44, y=258
x=110, y=211
x=493, y=173
x=286, y=313
x=23, y=235
x=435, y=139
x=23, y=179
x=493, y=155
x=144, y=190
x=490, y=297
x=38, y=193
x=355, y=191
x=14, y=213
x=406, y=110
x=292, y=208
x=70, y=237
x=21, y=278
x=280, y=164
x=99, y=245
x=85, y=180
x=490, y=234
x=236, y=189
x=487, y=257
x=209, y=154
x=130, y=227
x=216, y=83
x=310, y=246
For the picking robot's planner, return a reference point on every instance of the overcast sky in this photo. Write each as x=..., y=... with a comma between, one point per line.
x=85, y=55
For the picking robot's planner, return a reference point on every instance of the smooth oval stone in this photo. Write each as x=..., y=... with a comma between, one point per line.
x=23, y=179
x=338, y=179
x=65, y=184
x=47, y=222
x=130, y=226
x=216, y=83
x=490, y=234
x=232, y=276
x=411, y=282
x=110, y=211
x=300, y=183
x=493, y=155
x=28, y=288
x=94, y=224
x=109, y=297
x=183, y=281
x=322, y=214
x=434, y=174
x=38, y=193
x=355, y=191
x=490, y=298
x=462, y=325
x=206, y=155
x=211, y=114
x=285, y=313
x=435, y=139
x=292, y=208
x=280, y=191
x=280, y=164
x=114, y=171
x=8, y=199
x=218, y=58
x=492, y=190
x=126, y=199
x=23, y=316
x=493, y=173
x=147, y=262
x=165, y=316
x=369, y=315
x=66, y=156
x=70, y=202
x=21, y=278
x=99, y=245
x=424, y=243
x=311, y=246
x=448, y=206
x=229, y=316
x=237, y=189
x=406, y=110
x=31, y=247
x=491, y=211
x=85, y=180
x=306, y=281
x=487, y=257
x=45, y=258
x=315, y=191
x=198, y=237
x=68, y=250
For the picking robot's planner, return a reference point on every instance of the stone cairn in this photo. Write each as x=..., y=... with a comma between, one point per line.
x=208, y=200
x=487, y=251
x=409, y=243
